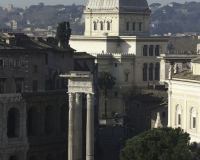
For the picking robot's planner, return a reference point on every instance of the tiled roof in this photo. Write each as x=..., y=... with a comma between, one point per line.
x=24, y=42
x=187, y=74
x=150, y=95
x=81, y=55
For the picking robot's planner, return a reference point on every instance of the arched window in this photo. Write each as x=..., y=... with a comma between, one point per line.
x=64, y=110
x=32, y=121
x=126, y=77
x=33, y=158
x=13, y=158
x=157, y=72
x=145, y=72
x=163, y=114
x=178, y=115
x=13, y=123
x=108, y=26
x=101, y=26
x=151, y=72
x=133, y=26
x=193, y=118
x=49, y=120
x=140, y=26
x=64, y=155
x=127, y=26
x=50, y=157
x=95, y=26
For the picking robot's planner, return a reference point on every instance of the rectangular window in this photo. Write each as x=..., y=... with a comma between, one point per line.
x=138, y=105
x=116, y=94
x=18, y=84
x=147, y=120
x=35, y=86
x=126, y=77
x=134, y=26
x=16, y=63
x=115, y=64
x=145, y=50
x=157, y=50
x=34, y=68
x=2, y=86
x=140, y=26
x=194, y=122
x=151, y=50
x=179, y=119
x=1, y=62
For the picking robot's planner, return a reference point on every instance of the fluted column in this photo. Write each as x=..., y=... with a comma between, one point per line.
x=71, y=145
x=78, y=126
x=90, y=128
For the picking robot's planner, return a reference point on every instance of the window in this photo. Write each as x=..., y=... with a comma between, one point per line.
x=18, y=84
x=116, y=94
x=95, y=26
x=163, y=114
x=101, y=25
x=34, y=68
x=140, y=26
x=145, y=72
x=178, y=115
x=133, y=26
x=126, y=77
x=127, y=26
x=2, y=82
x=151, y=50
x=108, y=26
x=157, y=72
x=16, y=63
x=147, y=120
x=1, y=62
x=138, y=120
x=115, y=64
x=193, y=118
x=148, y=106
x=157, y=50
x=35, y=87
x=151, y=72
x=145, y=50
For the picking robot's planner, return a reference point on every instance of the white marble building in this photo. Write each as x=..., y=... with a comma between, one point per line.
x=184, y=100
x=117, y=32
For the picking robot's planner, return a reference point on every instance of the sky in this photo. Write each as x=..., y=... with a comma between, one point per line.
x=24, y=3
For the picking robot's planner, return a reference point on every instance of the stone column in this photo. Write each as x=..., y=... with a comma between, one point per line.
x=71, y=140
x=78, y=126
x=90, y=128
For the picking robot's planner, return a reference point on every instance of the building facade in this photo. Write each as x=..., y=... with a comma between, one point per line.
x=184, y=100
x=33, y=99
x=117, y=33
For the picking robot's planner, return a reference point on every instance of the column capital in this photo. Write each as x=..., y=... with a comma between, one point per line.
x=78, y=96
x=71, y=97
x=90, y=97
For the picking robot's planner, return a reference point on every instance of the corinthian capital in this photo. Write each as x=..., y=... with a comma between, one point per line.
x=78, y=96
x=71, y=96
x=90, y=97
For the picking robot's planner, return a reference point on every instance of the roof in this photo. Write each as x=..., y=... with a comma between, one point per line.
x=150, y=95
x=25, y=42
x=196, y=60
x=187, y=75
x=119, y=4
x=78, y=55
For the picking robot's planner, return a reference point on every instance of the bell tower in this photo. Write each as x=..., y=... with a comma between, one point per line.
x=117, y=18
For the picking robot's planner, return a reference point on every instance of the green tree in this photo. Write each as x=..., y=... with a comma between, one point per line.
x=63, y=32
x=160, y=144
x=106, y=81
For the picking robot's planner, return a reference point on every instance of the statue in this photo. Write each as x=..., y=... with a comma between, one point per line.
x=170, y=48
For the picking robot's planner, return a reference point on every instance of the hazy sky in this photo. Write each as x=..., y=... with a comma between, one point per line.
x=23, y=3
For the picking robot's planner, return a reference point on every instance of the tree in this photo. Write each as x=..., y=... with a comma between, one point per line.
x=106, y=81
x=160, y=144
x=63, y=32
